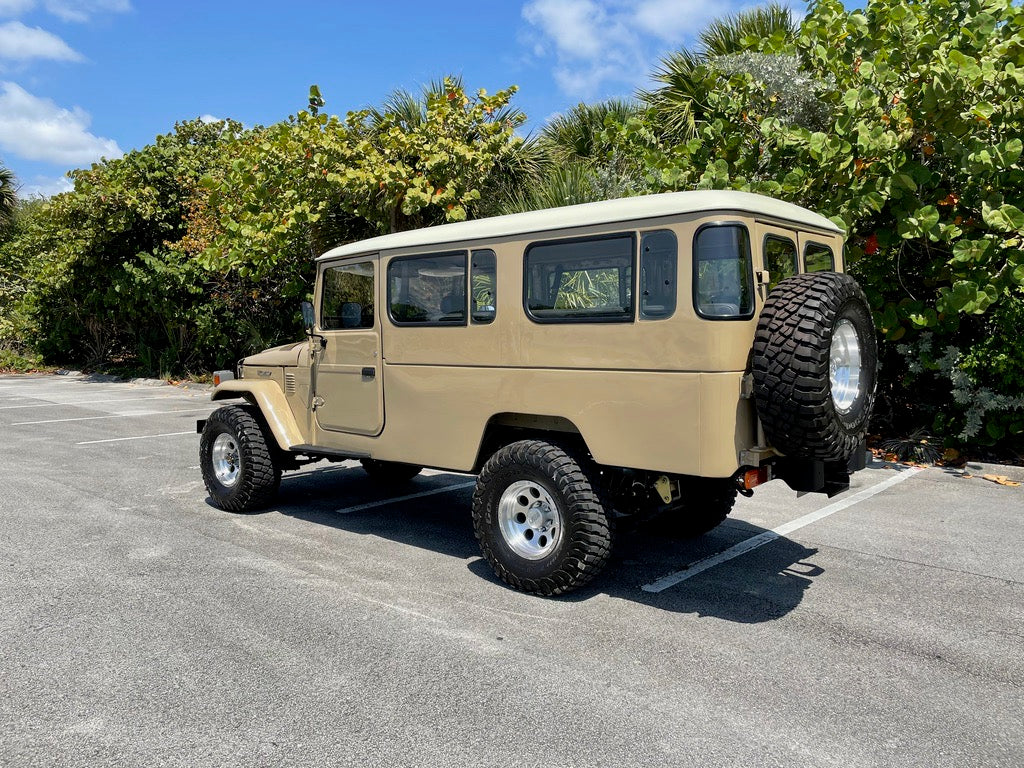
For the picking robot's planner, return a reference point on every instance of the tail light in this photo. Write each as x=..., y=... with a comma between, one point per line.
x=755, y=477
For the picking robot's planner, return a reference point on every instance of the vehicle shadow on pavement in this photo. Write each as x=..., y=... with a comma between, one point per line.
x=762, y=585
x=758, y=586
x=439, y=522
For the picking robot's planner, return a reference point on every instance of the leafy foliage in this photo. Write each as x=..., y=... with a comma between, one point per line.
x=684, y=97
x=914, y=147
x=8, y=197
x=298, y=187
x=902, y=121
x=195, y=250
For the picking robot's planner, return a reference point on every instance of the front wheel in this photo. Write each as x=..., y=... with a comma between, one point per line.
x=538, y=519
x=237, y=460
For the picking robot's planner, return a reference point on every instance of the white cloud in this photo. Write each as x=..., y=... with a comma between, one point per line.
x=45, y=186
x=38, y=129
x=675, y=20
x=65, y=10
x=596, y=42
x=573, y=25
x=83, y=10
x=15, y=8
x=210, y=119
x=592, y=42
x=21, y=43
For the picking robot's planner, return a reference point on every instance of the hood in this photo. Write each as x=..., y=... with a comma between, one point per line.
x=285, y=355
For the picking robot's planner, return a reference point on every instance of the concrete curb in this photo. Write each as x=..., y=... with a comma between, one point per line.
x=1009, y=471
x=107, y=378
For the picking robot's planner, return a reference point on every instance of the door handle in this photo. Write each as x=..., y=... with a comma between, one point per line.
x=369, y=372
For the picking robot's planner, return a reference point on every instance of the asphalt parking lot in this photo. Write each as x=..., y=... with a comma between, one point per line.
x=350, y=625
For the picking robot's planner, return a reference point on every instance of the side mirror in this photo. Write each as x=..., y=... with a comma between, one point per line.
x=308, y=316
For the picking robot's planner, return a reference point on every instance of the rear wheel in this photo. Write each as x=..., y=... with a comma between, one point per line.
x=390, y=472
x=538, y=519
x=237, y=460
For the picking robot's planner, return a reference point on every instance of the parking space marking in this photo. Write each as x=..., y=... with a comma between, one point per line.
x=768, y=536
x=396, y=499
x=109, y=416
x=81, y=403
x=137, y=437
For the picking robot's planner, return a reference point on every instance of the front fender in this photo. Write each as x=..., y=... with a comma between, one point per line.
x=269, y=398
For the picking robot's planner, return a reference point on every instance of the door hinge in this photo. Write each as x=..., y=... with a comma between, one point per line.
x=318, y=402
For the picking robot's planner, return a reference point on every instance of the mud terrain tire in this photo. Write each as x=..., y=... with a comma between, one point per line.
x=539, y=520
x=811, y=403
x=236, y=456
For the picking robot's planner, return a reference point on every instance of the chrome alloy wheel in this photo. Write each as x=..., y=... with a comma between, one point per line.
x=844, y=366
x=225, y=459
x=529, y=519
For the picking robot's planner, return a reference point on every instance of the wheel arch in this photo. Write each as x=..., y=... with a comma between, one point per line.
x=505, y=428
x=272, y=405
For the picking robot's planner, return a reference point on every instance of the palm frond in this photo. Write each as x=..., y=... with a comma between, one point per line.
x=727, y=34
x=8, y=196
x=577, y=133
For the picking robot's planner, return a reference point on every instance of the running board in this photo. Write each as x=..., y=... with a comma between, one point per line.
x=312, y=450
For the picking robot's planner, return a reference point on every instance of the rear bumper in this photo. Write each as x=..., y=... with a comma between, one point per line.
x=815, y=476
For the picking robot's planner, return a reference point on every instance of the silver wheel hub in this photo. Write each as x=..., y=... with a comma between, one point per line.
x=227, y=463
x=844, y=366
x=529, y=520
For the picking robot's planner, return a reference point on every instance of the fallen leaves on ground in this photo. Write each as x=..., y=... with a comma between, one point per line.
x=1000, y=479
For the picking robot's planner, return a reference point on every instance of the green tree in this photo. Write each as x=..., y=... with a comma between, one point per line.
x=8, y=196
x=108, y=280
x=578, y=160
x=376, y=171
x=579, y=134
x=919, y=158
x=680, y=103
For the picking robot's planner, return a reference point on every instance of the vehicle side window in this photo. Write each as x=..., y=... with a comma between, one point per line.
x=658, y=259
x=347, y=300
x=779, y=259
x=581, y=281
x=818, y=258
x=483, y=281
x=428, y=290
x=723, y=276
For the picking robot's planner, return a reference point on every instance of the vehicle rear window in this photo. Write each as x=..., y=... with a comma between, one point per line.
x=818, y=258
x=779, y=259
x=658, y=259
x=428, y=289
x=587, y=280
x=723, y=276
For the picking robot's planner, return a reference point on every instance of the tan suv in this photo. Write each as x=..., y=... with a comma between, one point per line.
x=651, y=355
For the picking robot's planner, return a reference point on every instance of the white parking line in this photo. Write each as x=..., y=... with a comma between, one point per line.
x=382, y=502
x=139, y=437
x=82, y=402
x=763, y=538
x=114, y=416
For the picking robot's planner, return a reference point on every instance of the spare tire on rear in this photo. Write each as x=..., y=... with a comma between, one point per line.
x=815, y=363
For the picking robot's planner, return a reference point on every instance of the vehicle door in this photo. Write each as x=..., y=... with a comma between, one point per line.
x=348, y=375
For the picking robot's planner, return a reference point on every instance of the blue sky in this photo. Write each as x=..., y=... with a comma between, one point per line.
x=84, y=79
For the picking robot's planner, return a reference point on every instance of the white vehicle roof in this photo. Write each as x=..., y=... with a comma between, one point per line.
x=589, y=214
